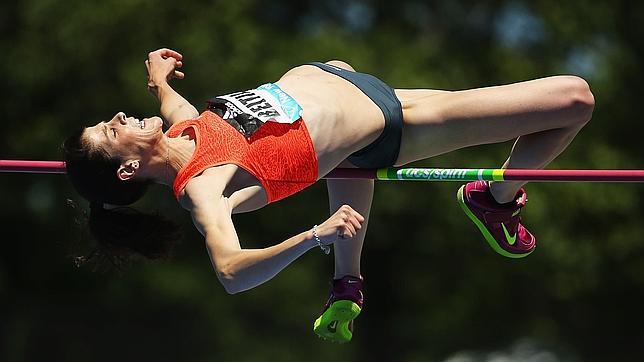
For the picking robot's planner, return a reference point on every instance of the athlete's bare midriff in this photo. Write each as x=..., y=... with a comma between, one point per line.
x=340, y=118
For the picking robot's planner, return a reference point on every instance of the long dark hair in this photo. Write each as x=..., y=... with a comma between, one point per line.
x=121, y=233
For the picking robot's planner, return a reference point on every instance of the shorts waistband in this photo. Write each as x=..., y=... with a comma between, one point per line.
x=383, y=152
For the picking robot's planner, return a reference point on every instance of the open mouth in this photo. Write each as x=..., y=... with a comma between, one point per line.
x=145, y=123
x=140, y=123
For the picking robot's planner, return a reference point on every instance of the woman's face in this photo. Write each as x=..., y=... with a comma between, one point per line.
x=126, y=137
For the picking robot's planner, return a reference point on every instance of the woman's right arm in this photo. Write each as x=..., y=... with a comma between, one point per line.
x=162, y=66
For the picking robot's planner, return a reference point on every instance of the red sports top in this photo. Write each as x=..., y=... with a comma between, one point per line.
x=281, y=156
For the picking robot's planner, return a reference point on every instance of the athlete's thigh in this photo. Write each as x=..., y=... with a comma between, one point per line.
x=411, y=95
x=437, y=122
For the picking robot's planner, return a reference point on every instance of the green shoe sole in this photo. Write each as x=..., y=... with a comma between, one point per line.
x=333, y=324
x=488, y=237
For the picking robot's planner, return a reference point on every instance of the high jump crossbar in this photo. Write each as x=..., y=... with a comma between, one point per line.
x=408, y=173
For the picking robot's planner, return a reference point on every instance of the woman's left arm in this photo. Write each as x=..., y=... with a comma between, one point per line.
x=240, y=269
x=162, y=65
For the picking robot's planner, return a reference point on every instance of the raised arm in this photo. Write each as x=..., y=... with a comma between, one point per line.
x=242, y=269
x=162, y=65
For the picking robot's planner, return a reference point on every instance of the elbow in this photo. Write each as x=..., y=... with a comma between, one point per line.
x=230, y=288
x=227, y=279
x=233, y=274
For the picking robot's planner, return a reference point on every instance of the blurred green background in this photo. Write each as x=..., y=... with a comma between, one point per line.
x=435, y=291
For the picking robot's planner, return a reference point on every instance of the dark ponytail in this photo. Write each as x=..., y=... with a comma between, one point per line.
x=121, y=233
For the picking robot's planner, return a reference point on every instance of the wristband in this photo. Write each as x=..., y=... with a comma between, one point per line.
x=325, y=248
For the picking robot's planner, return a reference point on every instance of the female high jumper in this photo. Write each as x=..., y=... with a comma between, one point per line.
x=255, y=147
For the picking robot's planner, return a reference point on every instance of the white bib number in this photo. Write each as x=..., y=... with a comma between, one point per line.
x=268, y=103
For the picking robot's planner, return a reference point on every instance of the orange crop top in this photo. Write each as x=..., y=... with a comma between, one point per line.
x=280, y=155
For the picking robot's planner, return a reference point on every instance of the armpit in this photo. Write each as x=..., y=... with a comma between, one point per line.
x=248, y=199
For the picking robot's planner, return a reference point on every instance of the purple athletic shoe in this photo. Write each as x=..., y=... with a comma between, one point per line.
x=500, y=224
x=343, y=306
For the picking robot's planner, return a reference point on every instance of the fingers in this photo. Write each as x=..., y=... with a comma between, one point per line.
x=350, y=222
x=351, y=213
x=347, y=231
x=154, y=58
x=177, y=63
x=166, y=53
x=345, y=223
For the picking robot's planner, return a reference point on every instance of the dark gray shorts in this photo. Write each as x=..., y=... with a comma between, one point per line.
x=383, y=152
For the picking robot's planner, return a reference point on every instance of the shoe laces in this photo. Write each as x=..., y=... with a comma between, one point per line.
x=521, y=201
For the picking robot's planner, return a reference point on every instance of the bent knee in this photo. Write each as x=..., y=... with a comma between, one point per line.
x=341, y=64
x=578, y=98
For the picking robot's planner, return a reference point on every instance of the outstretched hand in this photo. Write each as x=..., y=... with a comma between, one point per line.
x=343, y=224
x=162, y=65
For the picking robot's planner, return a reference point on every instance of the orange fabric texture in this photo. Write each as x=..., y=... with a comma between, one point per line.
x=281, y=156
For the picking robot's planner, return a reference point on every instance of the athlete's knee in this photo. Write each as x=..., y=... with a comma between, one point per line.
x=341, y=64
x=579, y=98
